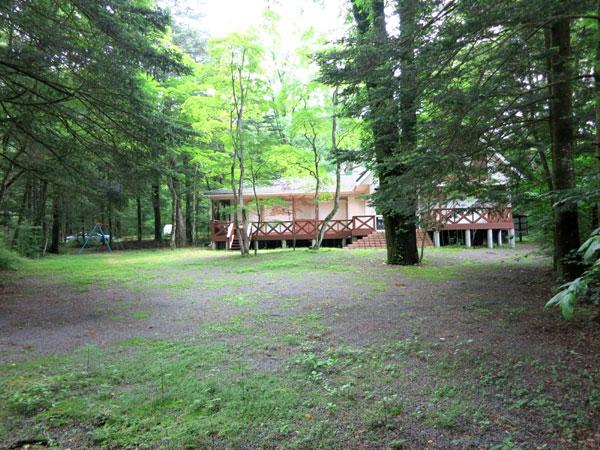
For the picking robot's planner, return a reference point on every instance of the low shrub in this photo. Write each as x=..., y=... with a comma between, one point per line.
x=29, y=241
x=9, y=260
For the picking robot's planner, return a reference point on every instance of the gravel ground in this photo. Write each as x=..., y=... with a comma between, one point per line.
x=46, y=317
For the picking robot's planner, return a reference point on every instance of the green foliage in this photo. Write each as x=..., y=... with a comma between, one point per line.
x=8, y=259
x=29, y=241
x=572, y=292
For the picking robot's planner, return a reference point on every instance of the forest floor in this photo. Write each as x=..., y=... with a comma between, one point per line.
x=199, y=349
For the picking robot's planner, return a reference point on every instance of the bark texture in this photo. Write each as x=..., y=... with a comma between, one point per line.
x=566, y=224
x=400, y=226
x=156, y=208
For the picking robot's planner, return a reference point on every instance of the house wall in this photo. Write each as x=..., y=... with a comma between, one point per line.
x=305, y=210
x=325, y=208
x=356, y=207
x=281, y=212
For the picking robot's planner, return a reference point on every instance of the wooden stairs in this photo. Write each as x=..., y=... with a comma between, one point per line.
x=377, y=240
x=235, y=244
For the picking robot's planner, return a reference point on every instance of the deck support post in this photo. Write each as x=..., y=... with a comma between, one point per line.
x=490, y=238
x=213, y=245
x=256, y=244
x=343, y=242
x=436, y=239
x=511, y=237
x=499, y=238
x=468, y=243
x=284, y=244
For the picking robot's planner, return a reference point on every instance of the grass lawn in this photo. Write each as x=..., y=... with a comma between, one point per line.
x=198, y=349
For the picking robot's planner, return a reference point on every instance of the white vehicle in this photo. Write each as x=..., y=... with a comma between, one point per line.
x=167, y=229
x=81, y=237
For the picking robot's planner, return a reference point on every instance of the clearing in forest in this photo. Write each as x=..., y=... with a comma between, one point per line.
x=294, y=349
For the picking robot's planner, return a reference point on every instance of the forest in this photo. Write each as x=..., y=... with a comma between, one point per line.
x=122, y=117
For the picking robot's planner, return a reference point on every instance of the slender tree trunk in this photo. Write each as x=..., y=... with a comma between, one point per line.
x=156, y=207
x=239, y=92
x=566, y=226
x=173, y=238
x=138, y=202
x=316, y=201
x=193, y=224
x=22, y=212
x=334, y=210
x=188, y=204
x=110, y=224
x=257, y=206
x=338, y=173
x=55, y=240
x=178, y=235
x=40, y=219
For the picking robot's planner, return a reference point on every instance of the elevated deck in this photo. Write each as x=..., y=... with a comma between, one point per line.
x=450, y=219
x=358, y=226
x=435, y=220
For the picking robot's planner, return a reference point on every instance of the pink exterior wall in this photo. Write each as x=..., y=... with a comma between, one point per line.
x=305, y=210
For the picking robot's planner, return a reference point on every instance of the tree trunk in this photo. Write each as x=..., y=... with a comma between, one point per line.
x=316, y=201
x=138, y=202
x=334, y=210
x=338, y=173
x=156, y=207
x=188, y=204
x=193, y=224
x=403, y=244
x=22, y=211
x=178, y=235
x=110, y=225
x=399, y=226
x=55, y=239
x=566, y=227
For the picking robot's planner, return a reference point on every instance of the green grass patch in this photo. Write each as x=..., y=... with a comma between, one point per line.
x=141, y=315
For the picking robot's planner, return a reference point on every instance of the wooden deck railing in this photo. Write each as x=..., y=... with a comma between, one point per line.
x=304, y=229
x=223, y=231
x=468, y=218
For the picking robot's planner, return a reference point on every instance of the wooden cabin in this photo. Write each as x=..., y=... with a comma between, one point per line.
x=287, y=214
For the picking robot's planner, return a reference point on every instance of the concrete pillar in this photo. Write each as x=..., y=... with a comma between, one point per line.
x=256, y=244
x=284, y=244
x=343, y=242
x=468, y=238
x=499, y=238
x=511, y=237
x=436, y=239
x=490, y=238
